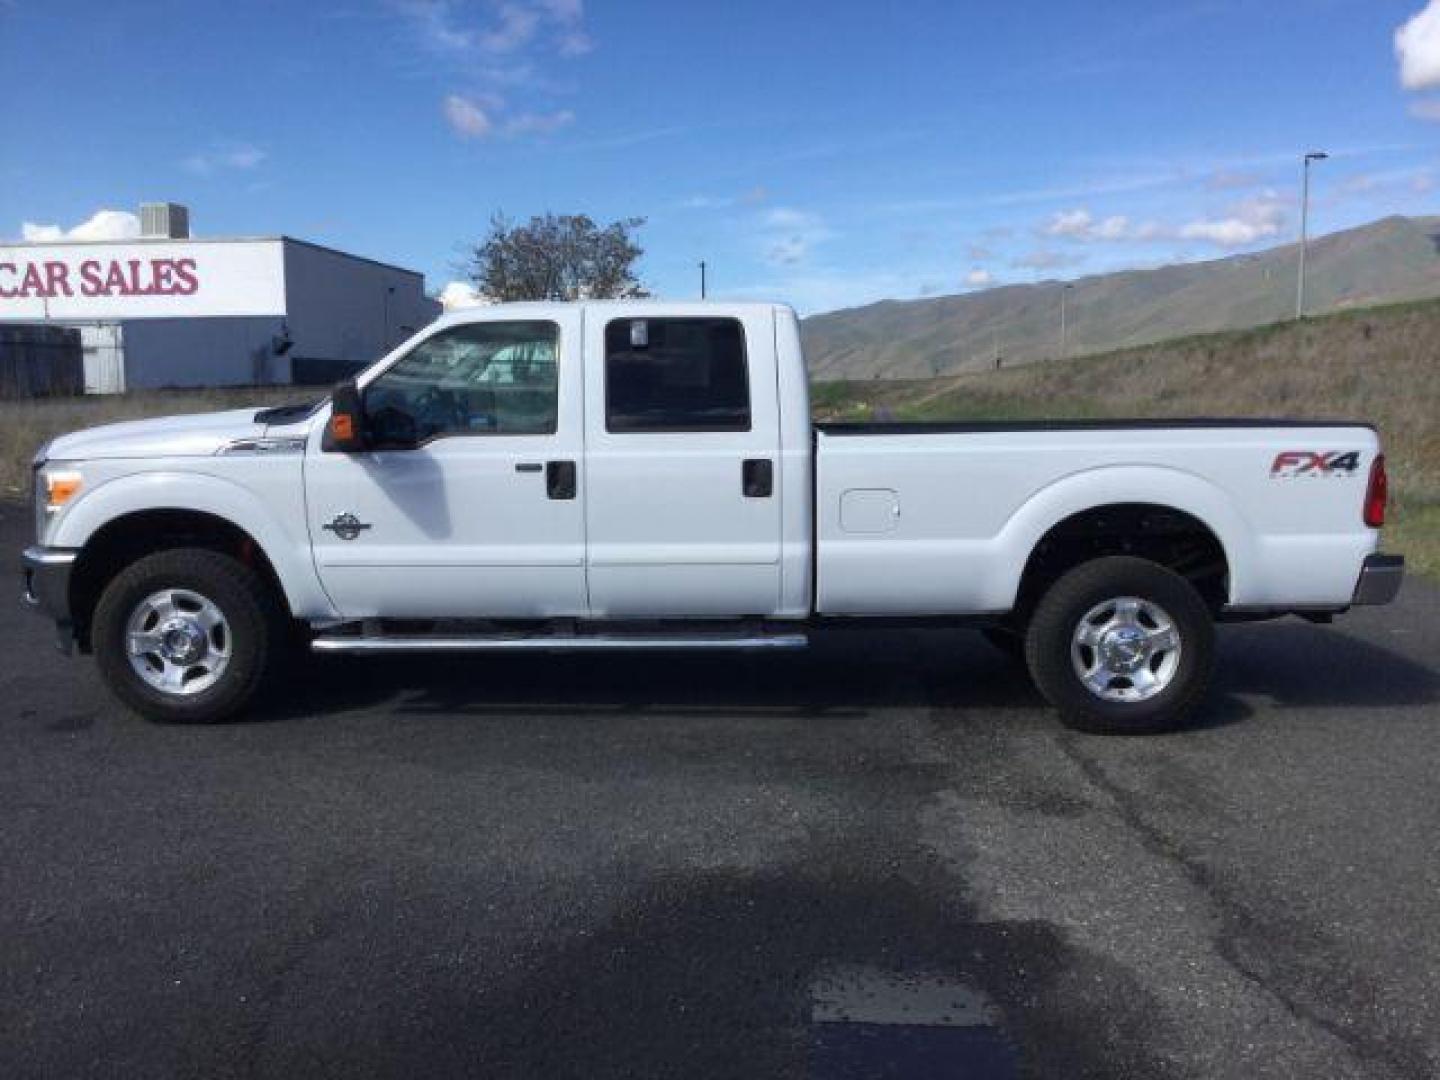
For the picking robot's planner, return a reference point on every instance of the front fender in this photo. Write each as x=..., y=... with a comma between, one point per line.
x=287, y=548
x=1109, y=485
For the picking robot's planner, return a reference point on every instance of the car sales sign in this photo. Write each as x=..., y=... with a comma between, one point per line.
x=142, y=280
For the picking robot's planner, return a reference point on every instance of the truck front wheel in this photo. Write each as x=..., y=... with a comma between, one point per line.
x=186, y=635
x=1121, y=645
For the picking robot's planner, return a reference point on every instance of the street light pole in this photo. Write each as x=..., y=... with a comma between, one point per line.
x=1064, y=326
x=1317, y=155
x=702, y=279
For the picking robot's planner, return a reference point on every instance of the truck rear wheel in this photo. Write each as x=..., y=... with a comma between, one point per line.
x=1121, y=645
x=186, y=635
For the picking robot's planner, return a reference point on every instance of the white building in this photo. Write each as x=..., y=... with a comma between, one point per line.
x=168, y=309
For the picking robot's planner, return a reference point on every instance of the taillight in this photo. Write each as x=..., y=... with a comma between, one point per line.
x=1376, y=494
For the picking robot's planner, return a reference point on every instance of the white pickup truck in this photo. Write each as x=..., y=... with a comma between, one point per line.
x=643, y=475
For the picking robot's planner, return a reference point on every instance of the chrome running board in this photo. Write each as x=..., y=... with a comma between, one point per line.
x=339, y=643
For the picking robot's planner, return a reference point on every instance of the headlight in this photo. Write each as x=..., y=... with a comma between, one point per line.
x=55, y=487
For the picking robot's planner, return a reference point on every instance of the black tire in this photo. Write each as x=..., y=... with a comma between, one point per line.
x=1007, y=641
x=255, y=622
x=1059, y=614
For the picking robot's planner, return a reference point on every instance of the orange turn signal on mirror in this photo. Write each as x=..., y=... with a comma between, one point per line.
x=342, y=426
x=60, y=488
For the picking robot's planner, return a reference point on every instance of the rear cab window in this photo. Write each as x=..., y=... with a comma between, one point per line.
x=676, y=375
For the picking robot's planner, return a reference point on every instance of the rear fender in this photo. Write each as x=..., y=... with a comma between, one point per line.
x=1111, y=485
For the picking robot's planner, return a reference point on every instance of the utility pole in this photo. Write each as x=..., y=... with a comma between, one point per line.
x=702, y=279
x=1064, y=326
x=1316, y=155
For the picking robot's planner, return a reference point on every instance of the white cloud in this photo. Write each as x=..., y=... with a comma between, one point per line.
x=466, y=118
x=979, y=279
x=515, y=26
x=458, y=295
x=1248, y=222
x=240, y=157
x=1417, y=46
x=1082, y=225
x=434, y=21
x=482, y=116
x=568, y=17
x=788, y=236
x=504, y=45
x=102, y=225
x=787, y=250
x=1076, y=223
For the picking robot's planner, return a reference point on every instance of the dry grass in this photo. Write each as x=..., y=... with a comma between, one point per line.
x=24, y=425
x=1381, y=365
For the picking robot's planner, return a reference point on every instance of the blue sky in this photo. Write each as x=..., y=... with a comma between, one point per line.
x=824, y=154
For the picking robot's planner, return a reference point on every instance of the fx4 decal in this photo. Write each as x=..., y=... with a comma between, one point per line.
x=1315, y=463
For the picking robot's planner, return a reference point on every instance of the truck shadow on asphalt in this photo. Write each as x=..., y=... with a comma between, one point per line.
x=1289, y=665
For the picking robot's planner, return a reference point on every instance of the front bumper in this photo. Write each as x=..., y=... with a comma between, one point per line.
x=45, y=574
x=1380, y=578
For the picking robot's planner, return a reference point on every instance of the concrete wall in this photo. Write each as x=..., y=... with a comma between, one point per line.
x=345, y=312
x=203, y=352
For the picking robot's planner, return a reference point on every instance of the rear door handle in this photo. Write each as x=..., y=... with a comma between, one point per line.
x=757, y=478
x=560, y=479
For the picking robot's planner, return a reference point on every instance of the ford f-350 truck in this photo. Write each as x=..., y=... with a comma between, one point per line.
x=645, y=475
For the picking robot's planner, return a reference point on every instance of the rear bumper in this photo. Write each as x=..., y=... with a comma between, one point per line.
x=1380, y=578
x=45, y=583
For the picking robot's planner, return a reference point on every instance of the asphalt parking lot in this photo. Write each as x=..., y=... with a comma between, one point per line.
x=879, y=858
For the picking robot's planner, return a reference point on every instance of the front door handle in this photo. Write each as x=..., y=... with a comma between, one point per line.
x=757, y=478
x=560, y=479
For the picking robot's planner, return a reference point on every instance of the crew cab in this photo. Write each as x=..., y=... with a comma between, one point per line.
x=645, y=475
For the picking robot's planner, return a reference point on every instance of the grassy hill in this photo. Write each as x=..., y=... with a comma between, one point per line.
x=1378, y=364
x=1395, y=259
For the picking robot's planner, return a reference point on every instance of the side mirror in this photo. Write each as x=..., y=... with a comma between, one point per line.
x=345, y=433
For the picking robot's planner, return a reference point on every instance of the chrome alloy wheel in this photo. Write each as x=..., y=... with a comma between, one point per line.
x=178, y=641
x=1126, y=649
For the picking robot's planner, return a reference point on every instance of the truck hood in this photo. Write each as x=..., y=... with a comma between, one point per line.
x=197, y=435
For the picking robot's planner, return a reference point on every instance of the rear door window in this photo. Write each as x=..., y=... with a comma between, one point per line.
x=668, y=375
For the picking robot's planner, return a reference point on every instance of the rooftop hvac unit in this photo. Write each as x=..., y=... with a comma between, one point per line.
x=163, y=219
